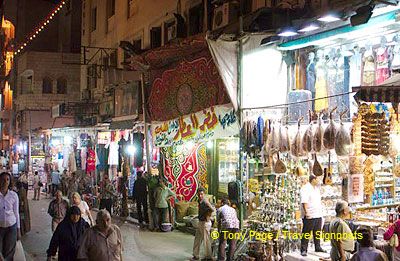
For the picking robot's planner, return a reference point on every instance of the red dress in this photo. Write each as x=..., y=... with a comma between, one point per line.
x=91, y=161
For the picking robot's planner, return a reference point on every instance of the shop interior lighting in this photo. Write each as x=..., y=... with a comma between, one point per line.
x=287, y=33
x=377, y=25
x=131, y=150
x=329, y=18
x=209, y=144
x=309, y=28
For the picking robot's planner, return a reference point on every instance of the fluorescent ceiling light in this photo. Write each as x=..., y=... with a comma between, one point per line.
x=329, y=18
x=309, y=28
x=287, y=33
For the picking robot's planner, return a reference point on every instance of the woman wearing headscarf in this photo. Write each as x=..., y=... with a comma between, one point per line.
x=68, y=235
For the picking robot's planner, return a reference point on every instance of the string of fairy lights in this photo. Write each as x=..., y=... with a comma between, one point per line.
x=42, y=25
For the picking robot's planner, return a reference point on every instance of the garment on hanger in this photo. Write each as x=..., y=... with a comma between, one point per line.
x=66, y=151
x=320, y=86
x=368, y=75
x=78, y=159
x=260, y=131
x=91, y=160
x=396, y=57
x=83, y=158
x=382, y=65
x=113, y=153
x=311, y=78
x=355, y=69
x=72, y=162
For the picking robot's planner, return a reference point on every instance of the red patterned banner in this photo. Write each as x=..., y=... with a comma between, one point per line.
x=185, y=169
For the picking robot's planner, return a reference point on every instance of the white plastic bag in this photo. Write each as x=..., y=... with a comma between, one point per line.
x=19, y=252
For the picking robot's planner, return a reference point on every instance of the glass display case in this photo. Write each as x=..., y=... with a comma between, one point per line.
x=228, y=162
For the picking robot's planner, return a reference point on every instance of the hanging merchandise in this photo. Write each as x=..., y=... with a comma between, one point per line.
x=91, y=161
x=317, y=137
x=317, y=168
x=138, y=144
x=308, y=136
x=382, y=62
x=321, y=82
x=343, y=139
x=273, y=139
x=284, y=139
x=296, y=148
x=356, y=134
x=330, y=132
x=327, y=180
x=280, y=166
x=368, y=74
x=375, y=134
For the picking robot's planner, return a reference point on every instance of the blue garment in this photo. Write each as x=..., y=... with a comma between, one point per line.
x=55, y=178
x=311, y=78
x=8, y=237
x=260, y=131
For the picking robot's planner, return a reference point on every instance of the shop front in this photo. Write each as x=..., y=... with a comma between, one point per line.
x=330, y=110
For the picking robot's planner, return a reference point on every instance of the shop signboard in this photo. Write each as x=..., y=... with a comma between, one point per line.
x=212, y=123
x=356, y=188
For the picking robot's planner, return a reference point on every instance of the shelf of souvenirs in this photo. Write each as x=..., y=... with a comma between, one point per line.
x=378, y=206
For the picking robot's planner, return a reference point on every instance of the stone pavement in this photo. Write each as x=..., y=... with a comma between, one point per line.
x=138, y=244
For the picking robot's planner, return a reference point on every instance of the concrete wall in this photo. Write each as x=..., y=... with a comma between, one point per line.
x=45, y=64
x=109, y=32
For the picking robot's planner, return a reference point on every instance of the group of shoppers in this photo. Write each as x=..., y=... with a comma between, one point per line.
x=77, y=236
x=343, y=248
x=159, y=195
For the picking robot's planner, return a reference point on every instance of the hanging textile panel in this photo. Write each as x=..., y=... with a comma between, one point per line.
x=186, y=169
x=188, y=87
x=212, y=123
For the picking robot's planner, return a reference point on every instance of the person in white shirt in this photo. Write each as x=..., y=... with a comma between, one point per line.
x=9, y=218
x=36, y=186
x=312, y=214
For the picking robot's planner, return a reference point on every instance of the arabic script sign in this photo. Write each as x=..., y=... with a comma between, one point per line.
x=212, y=123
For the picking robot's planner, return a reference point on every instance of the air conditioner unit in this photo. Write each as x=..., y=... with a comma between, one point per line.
x=225, y=14
x=86, y=94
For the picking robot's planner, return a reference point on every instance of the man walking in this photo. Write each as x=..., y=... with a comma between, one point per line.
x=55, y=181
x=312, y=214
x=107, y=192
x=204, y=227
x=228, y=223
x=140, y=195
x=103, y=242
x=37, y=184
x=9, y=218
x=57, y=209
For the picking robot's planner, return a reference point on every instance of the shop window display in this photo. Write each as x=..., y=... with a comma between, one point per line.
x=334, y=70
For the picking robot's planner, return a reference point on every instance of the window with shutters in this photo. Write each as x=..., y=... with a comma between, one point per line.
x=155, y=37
x=47, y=85
x=61, y=86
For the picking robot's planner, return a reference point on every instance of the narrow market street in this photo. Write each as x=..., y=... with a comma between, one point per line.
x=138, y=244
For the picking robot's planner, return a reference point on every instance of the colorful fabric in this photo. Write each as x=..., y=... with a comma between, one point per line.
x=186, y=170
x=183, y=79
x=91, y=161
